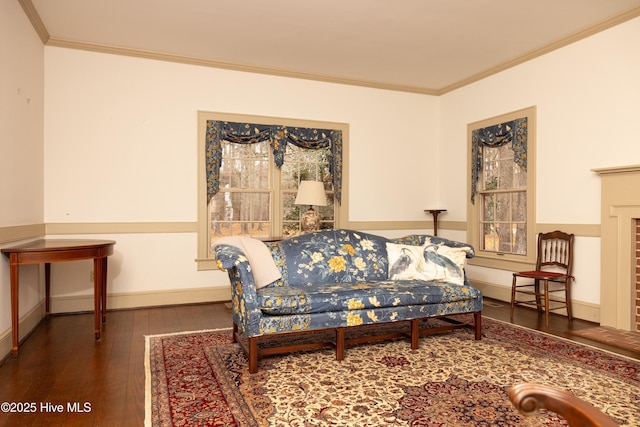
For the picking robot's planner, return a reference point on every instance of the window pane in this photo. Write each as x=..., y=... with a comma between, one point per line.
x=291, y=211
x=327, y=212
x=491, y=175
x=519, y=206
x=520, y=243
x=506, y=173
x=488, y=204
x=235, y=213
x=290, y=176
x=499, y=170
x=503, y=211
x=519, y=177
x=504, y=222
x=489, y=238
x=245, y=165
x=507, y=236
x=259, y=174
x=305, y=164
x=260, y=207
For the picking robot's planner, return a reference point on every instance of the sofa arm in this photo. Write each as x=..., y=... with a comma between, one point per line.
x=244, y=308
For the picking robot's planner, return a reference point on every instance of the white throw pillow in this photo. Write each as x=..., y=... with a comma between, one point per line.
x=405, y=261
x=444, y=263
x=428, y=262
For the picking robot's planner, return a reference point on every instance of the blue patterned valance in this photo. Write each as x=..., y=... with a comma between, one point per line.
x=514, y=131
x=278, y=137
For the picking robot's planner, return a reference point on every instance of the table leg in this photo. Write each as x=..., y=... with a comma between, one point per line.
x=13, y=272
x=105, y=262
x=97, y=295
x=47, y=289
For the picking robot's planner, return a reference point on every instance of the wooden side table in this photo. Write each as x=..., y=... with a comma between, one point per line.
x=46, y=251
x=435, y=213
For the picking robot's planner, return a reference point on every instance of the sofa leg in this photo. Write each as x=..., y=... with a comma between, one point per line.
x=253, y=355
x=415, y=334
x=477, y=317
x=234, y=335
x=340, y=343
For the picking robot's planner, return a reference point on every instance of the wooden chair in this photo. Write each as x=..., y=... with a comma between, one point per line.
x=529, y=398
x=554, y=265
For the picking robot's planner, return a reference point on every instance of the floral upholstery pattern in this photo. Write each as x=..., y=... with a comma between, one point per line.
x=337, y=278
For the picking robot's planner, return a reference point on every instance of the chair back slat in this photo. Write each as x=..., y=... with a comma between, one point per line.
x=555, y=250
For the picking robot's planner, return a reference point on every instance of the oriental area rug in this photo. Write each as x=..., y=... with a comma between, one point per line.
x=201, y=378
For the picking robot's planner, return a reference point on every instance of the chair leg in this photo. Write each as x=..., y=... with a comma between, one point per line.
x=536, y=289
x=513, y=296
x=567, y=297
x=546, y=302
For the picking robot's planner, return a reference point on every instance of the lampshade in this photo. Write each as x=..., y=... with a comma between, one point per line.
x=311, y=193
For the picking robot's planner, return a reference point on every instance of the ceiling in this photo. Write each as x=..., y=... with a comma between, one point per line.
x=423, y=46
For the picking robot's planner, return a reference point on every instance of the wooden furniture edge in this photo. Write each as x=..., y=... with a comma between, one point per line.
x=529, y=398
x=254, y=353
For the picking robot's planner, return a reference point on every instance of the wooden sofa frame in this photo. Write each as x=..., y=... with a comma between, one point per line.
x=254, y=352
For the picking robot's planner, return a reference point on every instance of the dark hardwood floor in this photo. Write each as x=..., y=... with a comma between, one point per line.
x=61, y=364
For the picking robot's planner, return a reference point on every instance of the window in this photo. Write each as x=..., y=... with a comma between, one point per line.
x=254, y=197
x=242, y=206
x=502, y=187
x=304, y=164
x=503, y=202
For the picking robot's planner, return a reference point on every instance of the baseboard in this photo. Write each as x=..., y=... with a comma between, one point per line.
x=25, y=326
x=581, y=310
x=141, y=299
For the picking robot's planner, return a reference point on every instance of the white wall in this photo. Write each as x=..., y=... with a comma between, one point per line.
x=588, y=109
x=21, y=118
x=21, y=145
x=121, y=146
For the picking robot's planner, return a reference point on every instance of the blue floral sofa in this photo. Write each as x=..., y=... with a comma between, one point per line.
x=334, y=280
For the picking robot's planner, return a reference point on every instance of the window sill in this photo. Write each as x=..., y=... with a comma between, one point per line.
x=502, y=262
x=206, y=264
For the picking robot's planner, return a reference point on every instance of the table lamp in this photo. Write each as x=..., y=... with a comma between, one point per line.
x=310, y=193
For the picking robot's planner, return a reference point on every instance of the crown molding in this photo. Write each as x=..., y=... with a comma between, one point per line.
x=565, y=41
x=34, y=18
x=191, y=60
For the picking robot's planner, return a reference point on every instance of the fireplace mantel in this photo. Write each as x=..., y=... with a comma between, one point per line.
x=620, y=207
x=617, y=169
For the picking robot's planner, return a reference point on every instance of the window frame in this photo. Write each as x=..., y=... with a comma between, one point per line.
x=204, y=260
x=238, y=191
x=491, y=259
